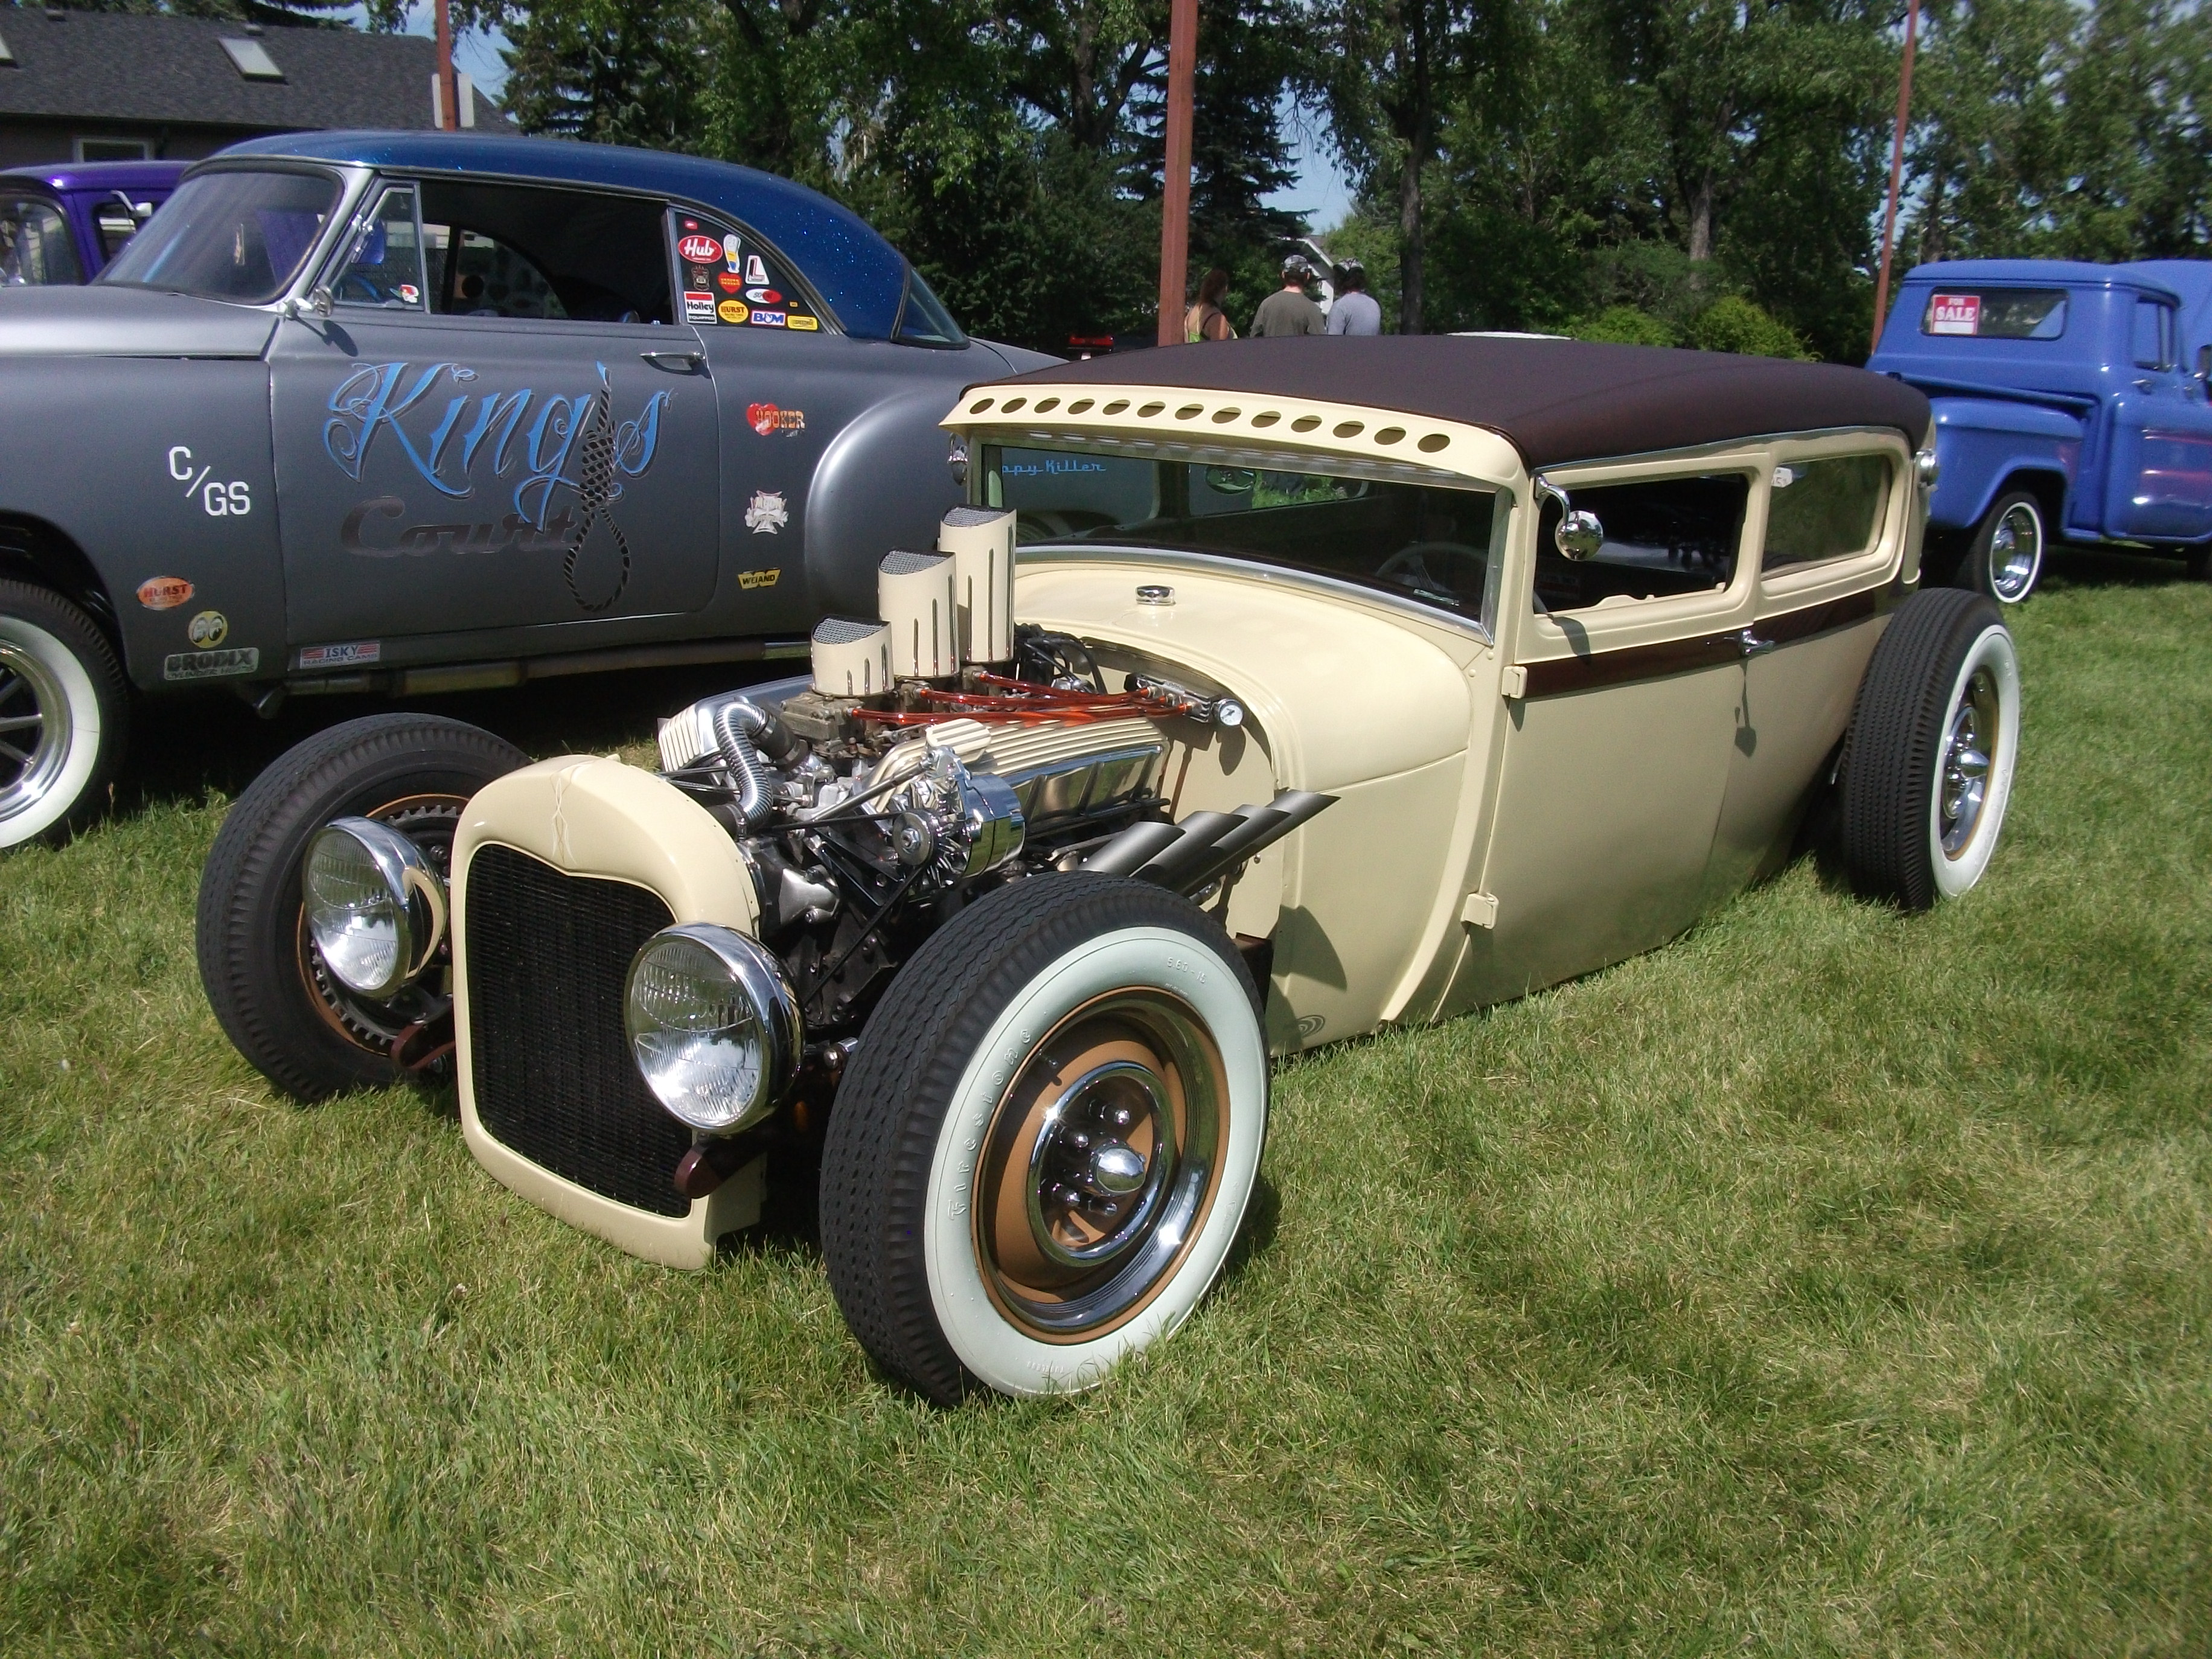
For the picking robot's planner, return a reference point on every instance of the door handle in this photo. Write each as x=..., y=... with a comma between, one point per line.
x=1753, y=646
x=684, y=361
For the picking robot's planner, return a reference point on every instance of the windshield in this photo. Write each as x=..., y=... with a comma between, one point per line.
x=1433, y=543
x=35, y=249
x=238, y=236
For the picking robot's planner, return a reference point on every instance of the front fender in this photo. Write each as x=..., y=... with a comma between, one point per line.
x=1984, y=441
x=882, y=482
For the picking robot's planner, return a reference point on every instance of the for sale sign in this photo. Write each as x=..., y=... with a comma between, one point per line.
x=1955, y=314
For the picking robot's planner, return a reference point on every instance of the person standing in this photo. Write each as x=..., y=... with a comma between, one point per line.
x=1355, y=311
x=1205, y=320
x=1287, y=310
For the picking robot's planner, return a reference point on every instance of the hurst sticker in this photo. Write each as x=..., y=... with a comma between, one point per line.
x=165, y=592
x=732, y=311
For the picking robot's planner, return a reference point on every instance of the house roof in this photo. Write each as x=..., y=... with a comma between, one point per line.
x=113, y=66
x=1552, y=400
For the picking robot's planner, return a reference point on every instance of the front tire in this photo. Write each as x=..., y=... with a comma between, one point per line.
x=301, y=1027
x=1928, y=761
x=65, y=711
x=2004, y=560
x=1046, y=1142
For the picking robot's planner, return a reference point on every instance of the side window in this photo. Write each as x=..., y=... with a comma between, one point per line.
x=35, y=249
x=385, y=267
x=1826, y=509
x=543, y=255
x=730, y=279
x=1661, y=537
x=2154, y=335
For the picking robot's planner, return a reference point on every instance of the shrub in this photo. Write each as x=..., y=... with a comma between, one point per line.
x=1625, y=326
x=1738, y=325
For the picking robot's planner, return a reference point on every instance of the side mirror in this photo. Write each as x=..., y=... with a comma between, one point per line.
x=1579, y=535
x=2205, y=364
x=1926, y=469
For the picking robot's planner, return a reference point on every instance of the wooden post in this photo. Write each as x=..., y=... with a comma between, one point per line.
x=449, y=103
x=1896, y=171
x=1174, y=197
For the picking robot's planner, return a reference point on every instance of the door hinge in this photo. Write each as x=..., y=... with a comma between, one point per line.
x=1480, y=910
x=1514, y=683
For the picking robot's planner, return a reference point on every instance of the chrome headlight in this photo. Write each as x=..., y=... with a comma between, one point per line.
x=375, y=908
x=713, y=1023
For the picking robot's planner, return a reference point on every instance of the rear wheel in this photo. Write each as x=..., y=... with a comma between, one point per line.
x=1046, y=1140
x=275, y=998
x=2004, y=560
x=1928, y=763
x=64, y=710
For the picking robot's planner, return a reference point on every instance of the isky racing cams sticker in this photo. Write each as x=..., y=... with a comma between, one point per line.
x=356, y=654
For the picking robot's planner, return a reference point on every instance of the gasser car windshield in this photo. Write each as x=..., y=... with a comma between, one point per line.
x=238, y=236
x=1433, y=543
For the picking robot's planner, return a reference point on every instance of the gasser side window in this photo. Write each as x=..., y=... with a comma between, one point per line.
x=384, y=267
x=540, y=254
x=35, y=250
x=1433, y=543
x=1662, y=537
x=1824, y=509
x=733, y=279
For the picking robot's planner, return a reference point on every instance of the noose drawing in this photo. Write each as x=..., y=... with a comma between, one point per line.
x=595, y=487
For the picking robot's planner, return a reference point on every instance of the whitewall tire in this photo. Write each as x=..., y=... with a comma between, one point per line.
x=62, y=713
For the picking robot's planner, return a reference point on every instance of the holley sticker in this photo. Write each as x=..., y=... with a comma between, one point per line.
x=698, y=307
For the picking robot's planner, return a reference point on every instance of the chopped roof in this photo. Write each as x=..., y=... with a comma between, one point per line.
x=1553, y=400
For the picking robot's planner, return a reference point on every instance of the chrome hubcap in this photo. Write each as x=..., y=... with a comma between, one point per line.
x=34, y=730
x=2015, y=551
x=1964, y=780
x=1090, y=1190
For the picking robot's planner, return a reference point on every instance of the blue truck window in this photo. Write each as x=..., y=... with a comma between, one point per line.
x=34, y=244
x=2003, y=313
x=1825, y=509
x=2154, y=335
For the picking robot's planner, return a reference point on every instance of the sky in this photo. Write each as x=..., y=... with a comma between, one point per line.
x=1322, y=191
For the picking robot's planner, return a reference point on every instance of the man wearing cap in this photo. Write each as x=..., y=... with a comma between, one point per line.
x=1355, y=311
x=1288, y=311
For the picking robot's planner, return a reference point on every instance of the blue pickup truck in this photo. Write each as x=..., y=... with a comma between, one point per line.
x=2070, y=405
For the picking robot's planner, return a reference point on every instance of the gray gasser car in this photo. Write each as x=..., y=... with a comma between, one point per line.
x=414, y=412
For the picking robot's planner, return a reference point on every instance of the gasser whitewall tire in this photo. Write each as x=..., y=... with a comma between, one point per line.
x=1064, y=1032
x=62, y=713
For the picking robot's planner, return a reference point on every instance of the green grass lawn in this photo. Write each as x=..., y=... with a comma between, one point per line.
x=1830, y=1281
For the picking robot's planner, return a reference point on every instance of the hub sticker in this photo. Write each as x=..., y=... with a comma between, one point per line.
x=731, y=310
x=767, y=514
x=699, y=250
x=353, y=655
x=210, y=664
x=165, y=592
x=767, y=420
x=208, y=629
x=698, y=307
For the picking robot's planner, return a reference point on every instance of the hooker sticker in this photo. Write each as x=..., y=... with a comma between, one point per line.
x=767, y=514
x=353, y=655
x=210, y=664
x=164, y=593
x=767, y=420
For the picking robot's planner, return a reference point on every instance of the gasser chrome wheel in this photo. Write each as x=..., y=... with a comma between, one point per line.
x=62, y=713
x=1103, y=1159
x=34, y=730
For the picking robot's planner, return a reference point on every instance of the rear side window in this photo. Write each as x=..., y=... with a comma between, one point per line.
x=35, y=250
x=543, y=255
x=1998, y=313
x=2154, y=335
x=1826, y=509
x=730, y=279
x=1662, y=537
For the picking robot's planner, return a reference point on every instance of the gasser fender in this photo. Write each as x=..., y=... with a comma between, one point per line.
x=882, y=483
x=1344, y=698
x=159, y=472
x=1981, y=442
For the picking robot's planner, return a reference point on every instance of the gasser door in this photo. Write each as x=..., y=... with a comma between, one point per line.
x=504, y=423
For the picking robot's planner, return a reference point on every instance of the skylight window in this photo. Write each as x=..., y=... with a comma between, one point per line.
x=7, y=57
x=252, y=59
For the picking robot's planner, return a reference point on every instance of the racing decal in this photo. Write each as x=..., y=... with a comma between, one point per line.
x=767, y=319
x=767, y=420
x=764, y=296
x=211, y=665
x=356, y=654
x=767, y=514
x=698, y=307
x=512, y=534
x=217, y=499
x=730, y=252
x=800, y=320
x=728, y=281
x=732, y=311
x=1955, y=314
x=208, y=629
x=165, y=592
x=755, y=271
x=409, y=292
x=699, y=250
x=759, y=578
x=700, y=276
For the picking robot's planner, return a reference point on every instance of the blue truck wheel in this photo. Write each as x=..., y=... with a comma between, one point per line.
x=2004, y=560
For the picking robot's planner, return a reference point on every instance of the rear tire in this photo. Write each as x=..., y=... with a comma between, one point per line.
x=64, y=714
x=302, y=1029
x=2004, y=560
x=1928, y=763
x=1045, y=1143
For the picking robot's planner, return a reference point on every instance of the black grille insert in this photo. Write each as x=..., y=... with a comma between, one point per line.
x=548, y=956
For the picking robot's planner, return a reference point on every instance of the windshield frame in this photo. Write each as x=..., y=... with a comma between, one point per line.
x=351, y=180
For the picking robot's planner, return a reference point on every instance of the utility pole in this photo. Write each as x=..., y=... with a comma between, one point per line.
x=1896, y=170
x=449, y=103
x=1174, y=197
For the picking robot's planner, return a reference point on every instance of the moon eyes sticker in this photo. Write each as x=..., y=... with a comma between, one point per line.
x=208, y=629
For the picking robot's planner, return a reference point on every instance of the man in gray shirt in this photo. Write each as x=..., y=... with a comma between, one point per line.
x=1288, y=311
x=1355, y=311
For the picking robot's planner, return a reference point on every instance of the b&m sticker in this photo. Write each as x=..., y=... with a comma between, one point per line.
x=1955, y=313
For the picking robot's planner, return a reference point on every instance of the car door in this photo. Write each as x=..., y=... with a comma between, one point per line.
x=1612, y=760
x=2162, y=475
x=503, y=422
x=1831, y=519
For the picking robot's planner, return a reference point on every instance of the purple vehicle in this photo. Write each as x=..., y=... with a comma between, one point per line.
x=60, y=224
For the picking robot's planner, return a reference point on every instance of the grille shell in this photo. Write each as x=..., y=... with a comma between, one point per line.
x=548, y=956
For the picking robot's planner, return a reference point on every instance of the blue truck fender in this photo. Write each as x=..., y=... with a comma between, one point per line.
x=1988, y=447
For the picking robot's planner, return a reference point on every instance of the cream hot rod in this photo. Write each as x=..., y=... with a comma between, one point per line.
x=1283, y=691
